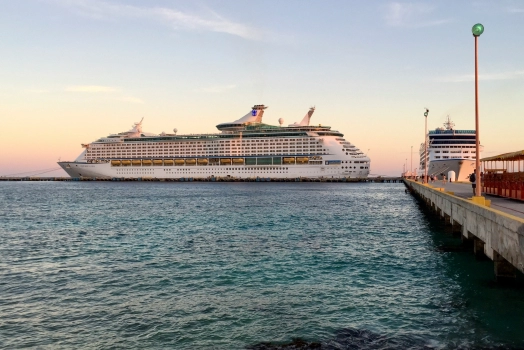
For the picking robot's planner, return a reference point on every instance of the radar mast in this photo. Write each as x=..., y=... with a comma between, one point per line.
x=449, y=124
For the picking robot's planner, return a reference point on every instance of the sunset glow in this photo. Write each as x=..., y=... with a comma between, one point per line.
x=73, y=71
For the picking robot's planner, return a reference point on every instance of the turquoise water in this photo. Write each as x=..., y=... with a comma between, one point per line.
x=236, y=265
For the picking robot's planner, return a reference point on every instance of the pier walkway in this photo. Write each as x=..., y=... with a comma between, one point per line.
x=464, y=190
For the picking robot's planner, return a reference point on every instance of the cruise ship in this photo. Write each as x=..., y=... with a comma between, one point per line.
x=451, y=152
x=244, y=148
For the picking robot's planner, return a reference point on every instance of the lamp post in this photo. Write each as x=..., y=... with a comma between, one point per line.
x=426, y=148
x=411, y=166
x=477, y=30
x=367, y=153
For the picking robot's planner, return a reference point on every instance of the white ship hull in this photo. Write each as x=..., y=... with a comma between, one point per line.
x=105, y=170
x=245, y=148
x=449, y=150
x=462, y=168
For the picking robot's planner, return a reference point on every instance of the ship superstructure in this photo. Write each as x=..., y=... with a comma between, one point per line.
x=449, y=151
x=244, y=148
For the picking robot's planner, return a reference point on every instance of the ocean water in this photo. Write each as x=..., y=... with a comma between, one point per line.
x=98, y=265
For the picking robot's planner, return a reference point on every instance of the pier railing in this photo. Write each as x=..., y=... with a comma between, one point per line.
x=504, y=175
x=509, y=185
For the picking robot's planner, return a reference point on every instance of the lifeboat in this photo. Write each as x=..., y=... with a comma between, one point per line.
x=202, y=161
x=225, y=161
x=136, y=162
x=115, y=163
x=179, y=162
x=238, y=161
x=190, y=161
x=157, y=162
x=289, y=160
x=126, y=163
x=147, y=162
x=302, y=160
x=169, y=162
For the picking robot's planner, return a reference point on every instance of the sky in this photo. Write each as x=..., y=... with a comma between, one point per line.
x=72, y=71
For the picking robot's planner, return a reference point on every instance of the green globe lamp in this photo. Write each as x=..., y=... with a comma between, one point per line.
x=477, y=29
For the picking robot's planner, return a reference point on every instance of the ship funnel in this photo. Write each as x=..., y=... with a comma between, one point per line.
x=306, y=119
x=258, y=111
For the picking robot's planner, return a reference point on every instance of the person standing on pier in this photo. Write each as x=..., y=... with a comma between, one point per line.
x=473, y=181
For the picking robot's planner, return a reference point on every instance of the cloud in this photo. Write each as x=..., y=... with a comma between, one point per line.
x=92, y=89
x=486, y=77
x=37, y=91
x=411, y=15
x=131, y=99
x=182, y=20
x=114, y=93
x=176, y=19
x=216, y=89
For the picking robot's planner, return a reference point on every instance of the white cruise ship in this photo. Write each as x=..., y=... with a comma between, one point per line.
x=449, y=150
x=245, y=148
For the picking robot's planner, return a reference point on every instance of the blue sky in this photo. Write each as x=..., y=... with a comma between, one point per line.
x=74, y=70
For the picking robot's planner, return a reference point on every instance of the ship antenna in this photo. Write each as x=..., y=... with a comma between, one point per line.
x=449, y=124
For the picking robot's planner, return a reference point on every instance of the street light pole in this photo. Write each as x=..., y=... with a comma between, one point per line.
x=477, y=30
x=411, y=166
x=426, y=148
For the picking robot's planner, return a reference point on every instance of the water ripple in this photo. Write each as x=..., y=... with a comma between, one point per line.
x=239, y=265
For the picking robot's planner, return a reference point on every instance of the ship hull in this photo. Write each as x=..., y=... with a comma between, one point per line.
x=106, y=170
x=462, y=168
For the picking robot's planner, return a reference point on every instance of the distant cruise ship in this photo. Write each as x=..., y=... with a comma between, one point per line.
x=245, y=148
x=449, y=150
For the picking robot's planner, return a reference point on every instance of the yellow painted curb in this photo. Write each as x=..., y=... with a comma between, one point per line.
x=481, y=201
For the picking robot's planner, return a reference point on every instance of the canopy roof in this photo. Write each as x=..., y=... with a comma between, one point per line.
x=518, y=155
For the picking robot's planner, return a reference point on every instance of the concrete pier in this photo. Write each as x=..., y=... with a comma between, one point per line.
x=494, y=234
